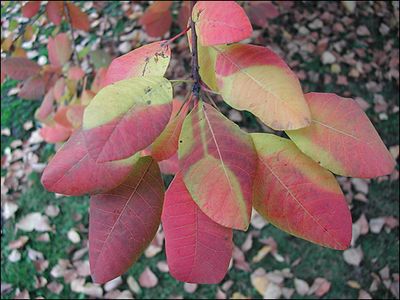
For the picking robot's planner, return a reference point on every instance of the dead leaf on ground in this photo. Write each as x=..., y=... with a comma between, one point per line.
x=34, y=221
x=148, y=279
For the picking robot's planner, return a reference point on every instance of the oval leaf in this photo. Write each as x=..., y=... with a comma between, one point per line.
x=198, y=249
x=218, y=164
x=59, y=49
x=30, y=9
x=55, y=11
x=124, y=221
x=256, y=79
x=297, y=195
x=33, y=88
x=157, y=19
x=55, y=133
x=166, y=144
x=126, y=117
x=342, y=139
x=220, y=22
x=20, y=68
x=46, y=107
x=79, y=20
x=148, y=60
x=73, y=172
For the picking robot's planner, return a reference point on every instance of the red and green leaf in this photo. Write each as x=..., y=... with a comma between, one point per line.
x=297, y=195
x=220, y=22
x=73, y=172
x=342, y=139
x=157, y=19
x=166, y=145
x=198, y=249
x=148, y=60
x=20, y=68
x=59, y=49
x=79, y=20
x=126, y=117
x=218, y=165
x=124, y=221
x=30, y=9
x=256, y=79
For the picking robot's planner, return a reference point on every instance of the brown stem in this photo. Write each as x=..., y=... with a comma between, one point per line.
x=195, y=58
x=68, y=15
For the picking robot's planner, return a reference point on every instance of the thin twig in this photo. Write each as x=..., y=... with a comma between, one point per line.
x=21, y=30
x=66, y=10
x=195, y=59
x=177, y=36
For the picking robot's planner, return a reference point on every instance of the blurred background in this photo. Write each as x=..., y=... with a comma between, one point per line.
x=349, y=48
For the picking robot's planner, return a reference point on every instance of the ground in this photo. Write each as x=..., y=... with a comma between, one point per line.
x=364, y=68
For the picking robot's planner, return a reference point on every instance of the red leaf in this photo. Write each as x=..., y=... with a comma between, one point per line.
x=79, y=20
x=297, y=195
x=218, y=165
x=20, y=68
x=150, y=59
x=99, y=80
x=59, y=88
x=184, y=14
x=33, y=88
x=73, y=172
x=70, y=116
x=198, y=249
x=220, y=22
x=260, y=11
x=342, y=139
x=124, y=221
x=170, y=165
x=166, y=144
x=55, y=133
x=46, y=107
x=59, y=49
x=55, y=11
x=75, y=73
x=157, y=19
x=30, y=9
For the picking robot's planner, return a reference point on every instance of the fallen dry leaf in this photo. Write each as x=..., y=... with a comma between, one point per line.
x=148, y=279
x=34, y=221
x=52, y=211
x=190, y=287
x=261, y=254
x=319, y=287
x=364, y=295
x=55, y=287
x=133, y=285
x=301, y=286
x=14, y=256
x=73, y=236
x=259, y=280
x=353, y=284
x=376, y=224
x=18, y=243
x=353, y=256
x=113, y=284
